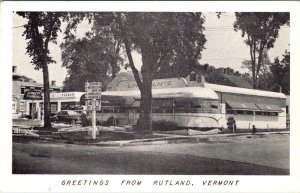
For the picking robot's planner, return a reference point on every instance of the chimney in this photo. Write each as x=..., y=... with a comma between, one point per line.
x=280, y=89
x=14, y=69
x=53, y=83
x=202, y=80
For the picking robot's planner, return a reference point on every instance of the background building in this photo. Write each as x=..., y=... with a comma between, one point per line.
x=23, y=86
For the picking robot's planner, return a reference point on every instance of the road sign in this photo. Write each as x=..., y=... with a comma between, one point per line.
x=89, y=104
x=93, y=90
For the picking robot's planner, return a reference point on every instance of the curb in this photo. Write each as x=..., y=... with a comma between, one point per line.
x=173, y=139
x=154, y=142
x=185, y=139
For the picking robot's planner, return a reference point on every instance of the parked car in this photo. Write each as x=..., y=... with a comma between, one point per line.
x=67, y=116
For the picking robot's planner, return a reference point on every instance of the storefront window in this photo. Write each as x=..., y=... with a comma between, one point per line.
x=54, y=107
x=22, y=106
x=274, y=114
x=14, y=107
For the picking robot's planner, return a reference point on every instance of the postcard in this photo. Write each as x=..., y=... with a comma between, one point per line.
x=154, y=96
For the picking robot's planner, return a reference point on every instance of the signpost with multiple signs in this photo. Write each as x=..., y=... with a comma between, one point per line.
x=93, y=90
x=93, y=101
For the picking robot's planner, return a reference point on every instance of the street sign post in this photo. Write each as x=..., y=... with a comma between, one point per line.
x=93, y=98
x=94, y=119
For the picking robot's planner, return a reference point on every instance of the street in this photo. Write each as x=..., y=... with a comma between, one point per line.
x=237, y=156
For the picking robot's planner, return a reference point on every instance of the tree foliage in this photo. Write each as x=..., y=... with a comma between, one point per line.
x=264, y=73
x=280, y=70
x=41, y=29
x=261, y=31
x=161, y=39
x=276, y=75
x=94, y=59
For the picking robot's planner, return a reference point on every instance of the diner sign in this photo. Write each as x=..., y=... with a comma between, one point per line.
x=156, y=84
x=33, y=95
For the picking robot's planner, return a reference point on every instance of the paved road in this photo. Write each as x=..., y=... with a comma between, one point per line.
x=267, y=150
x=261, y=156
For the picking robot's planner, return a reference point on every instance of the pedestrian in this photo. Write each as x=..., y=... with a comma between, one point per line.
x=253, y=129
x=234, y=126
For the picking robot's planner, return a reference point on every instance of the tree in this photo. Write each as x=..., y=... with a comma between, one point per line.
x=237, y=73
x=264, y=73
x=93, y=59
x=261, y=30
x=161, y=39
x=40, y=30
x=281, y=74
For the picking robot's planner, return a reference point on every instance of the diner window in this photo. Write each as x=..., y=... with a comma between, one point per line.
x=214, y=106
x=121, y=109
x=249, y=112
x=182, y=105
x=263, y=113
x=274, y=113
x=107, y=110
x=240, y=112
x=162, y=106
x=230, y=111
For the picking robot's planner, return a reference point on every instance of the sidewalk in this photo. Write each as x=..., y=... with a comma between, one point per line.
x=27, y=122
x=171, y=138
x=76, y=135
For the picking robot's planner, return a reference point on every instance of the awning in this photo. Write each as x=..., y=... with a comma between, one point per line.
x=270, y=108
x=242, y=106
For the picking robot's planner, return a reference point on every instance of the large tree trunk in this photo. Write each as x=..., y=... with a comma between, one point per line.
x=254, y=81
x=144, y=124
x=47, y=120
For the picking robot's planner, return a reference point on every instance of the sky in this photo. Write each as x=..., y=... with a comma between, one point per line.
x=224, y=47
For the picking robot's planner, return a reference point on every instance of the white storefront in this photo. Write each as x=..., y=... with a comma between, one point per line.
x=58, y=102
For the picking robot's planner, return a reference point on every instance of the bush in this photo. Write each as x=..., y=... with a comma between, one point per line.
x=111, y=121
x=84, y=120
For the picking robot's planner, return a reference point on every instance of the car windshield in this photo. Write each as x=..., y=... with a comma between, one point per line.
x=73, y=113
